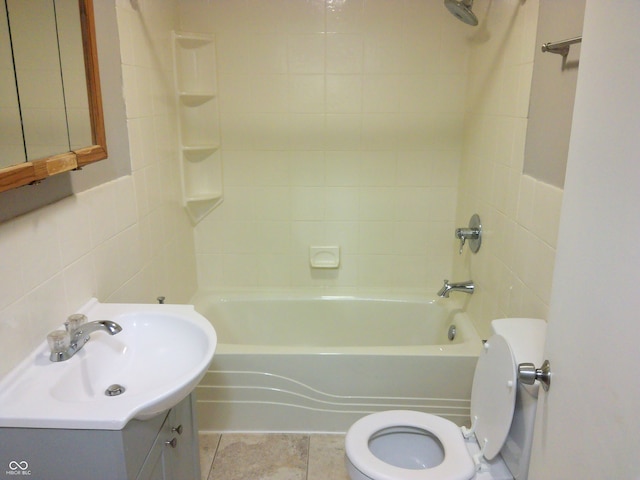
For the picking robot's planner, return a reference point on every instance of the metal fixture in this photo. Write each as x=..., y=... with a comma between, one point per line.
x=173, y=443
x=451, y=334
x=560, y=48
x=464, y=287
x=114, y=390
x=64, y=344
x=528, y=374
x=160, y=300
x=473, y=234
x=461, y=9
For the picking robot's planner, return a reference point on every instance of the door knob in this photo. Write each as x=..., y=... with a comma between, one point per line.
x=528, y=374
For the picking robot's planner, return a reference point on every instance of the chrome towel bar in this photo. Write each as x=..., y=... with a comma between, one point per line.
x=561, y=48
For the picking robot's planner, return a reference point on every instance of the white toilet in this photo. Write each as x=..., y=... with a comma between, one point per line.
x=409, y=445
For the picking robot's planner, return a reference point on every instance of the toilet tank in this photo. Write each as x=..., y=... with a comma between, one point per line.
x=526, y=337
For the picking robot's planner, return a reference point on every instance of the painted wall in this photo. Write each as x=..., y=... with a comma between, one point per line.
x=520, y=214
x=125, y=240
x=553, y=90
x=341, y=124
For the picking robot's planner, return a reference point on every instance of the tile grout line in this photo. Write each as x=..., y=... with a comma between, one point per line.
x=215, y=454
x=308, y=455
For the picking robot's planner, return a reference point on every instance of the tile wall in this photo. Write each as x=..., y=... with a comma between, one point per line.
x=520, y=215
x=127, y=240
x=341, y=124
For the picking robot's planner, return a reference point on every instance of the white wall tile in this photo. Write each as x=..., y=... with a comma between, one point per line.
x=47, y=308
x=343, y=93
x=15, y=324
x=341, y=204
x=80, y=282
x=344, y=53
x=41, y=255
x=346, y=17
x=307, y=168
x=307, y=203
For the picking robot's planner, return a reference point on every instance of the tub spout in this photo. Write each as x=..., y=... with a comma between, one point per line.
x=464, y=287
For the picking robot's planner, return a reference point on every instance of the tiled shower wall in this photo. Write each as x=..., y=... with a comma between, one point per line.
x=127, y=240
x=341, y=124
x=520, y=215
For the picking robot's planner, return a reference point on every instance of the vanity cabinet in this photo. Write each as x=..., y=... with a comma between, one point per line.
x=163, y=447
x=174, y=453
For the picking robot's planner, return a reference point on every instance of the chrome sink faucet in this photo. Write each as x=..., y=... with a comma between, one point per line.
x=464, y=287
x=64, y=344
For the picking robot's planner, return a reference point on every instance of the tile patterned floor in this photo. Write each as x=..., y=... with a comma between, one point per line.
x=273, y=456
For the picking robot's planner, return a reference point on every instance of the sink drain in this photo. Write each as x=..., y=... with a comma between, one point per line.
x=114, y=390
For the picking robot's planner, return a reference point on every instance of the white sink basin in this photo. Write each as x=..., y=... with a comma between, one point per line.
x=159, y=356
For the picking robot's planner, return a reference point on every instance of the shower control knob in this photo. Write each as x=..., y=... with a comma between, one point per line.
x=528, y=374
x=473, y=234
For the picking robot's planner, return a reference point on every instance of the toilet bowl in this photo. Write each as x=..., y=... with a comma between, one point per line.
x=411, y=445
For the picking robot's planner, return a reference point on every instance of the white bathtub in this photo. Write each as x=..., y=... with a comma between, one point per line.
x=317, y=363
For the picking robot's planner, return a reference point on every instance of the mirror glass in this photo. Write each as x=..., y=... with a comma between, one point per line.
x=11, y=140
x=44, y=39
x=50, y=107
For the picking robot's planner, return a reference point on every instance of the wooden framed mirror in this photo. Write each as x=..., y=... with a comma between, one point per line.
x=48, y=164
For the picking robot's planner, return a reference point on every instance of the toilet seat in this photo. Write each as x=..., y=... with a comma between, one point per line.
x=457, y=463
x=492, y=406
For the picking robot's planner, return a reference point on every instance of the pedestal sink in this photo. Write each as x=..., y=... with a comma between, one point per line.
x=156, y=360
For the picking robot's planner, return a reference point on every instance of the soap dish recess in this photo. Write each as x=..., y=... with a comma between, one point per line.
x=324, y=257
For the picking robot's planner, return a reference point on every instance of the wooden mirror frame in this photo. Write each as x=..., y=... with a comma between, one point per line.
x=37, y=170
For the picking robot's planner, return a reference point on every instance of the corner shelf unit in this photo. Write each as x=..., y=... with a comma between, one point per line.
x=198, y=123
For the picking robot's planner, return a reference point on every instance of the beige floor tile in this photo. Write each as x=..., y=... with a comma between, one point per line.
x=261, y=457
x=326, y=458
x=208, y=445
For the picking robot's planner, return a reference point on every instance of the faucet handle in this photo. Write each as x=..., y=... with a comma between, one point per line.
x=473, y=233
x=462, y=240
x=74, y=322
x=59, y=342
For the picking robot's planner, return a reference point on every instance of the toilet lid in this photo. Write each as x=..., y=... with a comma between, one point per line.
x=493, y=395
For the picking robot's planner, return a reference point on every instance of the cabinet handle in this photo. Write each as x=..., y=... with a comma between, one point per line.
x=177, y=429
x=172, y=443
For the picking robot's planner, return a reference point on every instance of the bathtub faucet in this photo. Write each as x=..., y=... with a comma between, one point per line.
x=464, y=287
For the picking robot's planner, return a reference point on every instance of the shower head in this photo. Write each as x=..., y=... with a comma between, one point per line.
x=461, y=9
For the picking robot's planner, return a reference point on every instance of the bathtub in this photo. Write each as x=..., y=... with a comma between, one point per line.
x=316, y=363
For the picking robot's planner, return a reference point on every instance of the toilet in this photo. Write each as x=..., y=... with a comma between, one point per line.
x=411, y=445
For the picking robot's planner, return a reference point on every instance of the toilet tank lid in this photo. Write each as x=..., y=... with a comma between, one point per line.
x=525, y=336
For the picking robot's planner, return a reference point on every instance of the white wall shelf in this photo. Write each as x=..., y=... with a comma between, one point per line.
x=198, y=120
